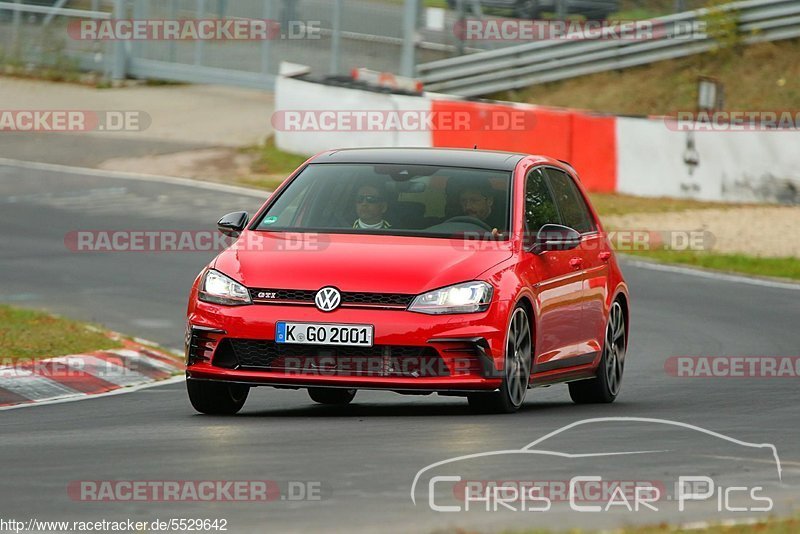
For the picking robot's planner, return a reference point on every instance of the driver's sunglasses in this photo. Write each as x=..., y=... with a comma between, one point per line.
x=368, y=199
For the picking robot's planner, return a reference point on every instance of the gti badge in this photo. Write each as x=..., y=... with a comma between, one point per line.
x=328, y=299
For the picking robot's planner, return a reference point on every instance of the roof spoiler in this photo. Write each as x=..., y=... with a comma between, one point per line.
x=567, y=163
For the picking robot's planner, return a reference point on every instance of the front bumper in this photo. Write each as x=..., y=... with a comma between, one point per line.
x=411, y=351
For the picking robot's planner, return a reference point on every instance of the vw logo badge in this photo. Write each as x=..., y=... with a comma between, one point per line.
x=328, y=299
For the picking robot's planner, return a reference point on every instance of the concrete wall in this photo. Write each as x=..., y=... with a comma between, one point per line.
x=638, y=156
x=293, y=95
x=731, y=165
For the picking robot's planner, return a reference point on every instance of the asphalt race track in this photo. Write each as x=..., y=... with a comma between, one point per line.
x=364, y=457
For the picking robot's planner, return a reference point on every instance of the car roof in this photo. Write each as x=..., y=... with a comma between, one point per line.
x=444, y=157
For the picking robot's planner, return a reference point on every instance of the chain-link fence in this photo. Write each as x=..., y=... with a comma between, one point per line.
x=32, y=36
x=330, y=36
x=641, y=9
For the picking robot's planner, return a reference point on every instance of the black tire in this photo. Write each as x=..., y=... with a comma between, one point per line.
x=216, y=398
x=605, y=387
x=516, y=372
x=334, y=396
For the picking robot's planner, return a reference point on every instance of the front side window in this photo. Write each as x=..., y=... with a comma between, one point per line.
x=540, y=209
x=574, y=211
x=395, y=199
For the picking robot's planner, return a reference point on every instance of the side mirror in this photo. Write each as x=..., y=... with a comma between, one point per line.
x=555, y=237
x=232, y=224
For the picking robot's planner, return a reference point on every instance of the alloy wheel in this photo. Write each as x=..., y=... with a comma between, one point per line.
x=518, y=357
x=614, y=348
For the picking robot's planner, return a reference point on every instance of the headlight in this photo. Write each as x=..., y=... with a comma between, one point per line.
x=219, y=289
x=469, y=297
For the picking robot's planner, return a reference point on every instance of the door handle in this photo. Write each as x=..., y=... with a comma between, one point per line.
x=604, y=256
x=576, y=263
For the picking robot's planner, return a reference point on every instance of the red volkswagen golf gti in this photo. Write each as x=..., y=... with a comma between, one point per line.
x=461, y=272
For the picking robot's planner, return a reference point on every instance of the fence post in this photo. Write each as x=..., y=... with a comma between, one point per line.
x=16, y=21
x=561, y=10
x=173, y=15
x=118, y=69
x=140, y=12
x=200, y=12
x=265, y=44
x=50, y=16
x=336, y=37
x=408, y=59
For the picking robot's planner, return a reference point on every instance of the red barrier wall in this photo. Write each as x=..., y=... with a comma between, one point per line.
x=586, y=141
x=594, y=151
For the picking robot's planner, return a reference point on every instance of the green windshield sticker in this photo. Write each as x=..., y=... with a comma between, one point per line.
x=271, y=220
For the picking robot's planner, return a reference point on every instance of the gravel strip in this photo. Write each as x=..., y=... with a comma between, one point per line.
x=771, y=232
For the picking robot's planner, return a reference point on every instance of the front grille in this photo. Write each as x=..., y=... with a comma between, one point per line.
x=300, y=295
x=378, y=360
x=224, y=356
x=372, y=299
x=349, y=299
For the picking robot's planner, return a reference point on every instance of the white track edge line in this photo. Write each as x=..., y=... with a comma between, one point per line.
x=725, y=277
x=127, y=175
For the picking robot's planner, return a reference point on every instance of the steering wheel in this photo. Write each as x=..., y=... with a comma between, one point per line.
x=469, y=220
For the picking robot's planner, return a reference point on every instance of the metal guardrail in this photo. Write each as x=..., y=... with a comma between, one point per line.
x=52, y=11
x=538, y=62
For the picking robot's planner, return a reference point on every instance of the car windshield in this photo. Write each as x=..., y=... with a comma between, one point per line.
x=393, y=199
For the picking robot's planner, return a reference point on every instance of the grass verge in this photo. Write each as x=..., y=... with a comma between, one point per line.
x=270, y=167
x=609, y=204
x=273, y=160
x=32, y=334
x=768, y=526
x=425, y=3
x=788, y=268
x=770, y=69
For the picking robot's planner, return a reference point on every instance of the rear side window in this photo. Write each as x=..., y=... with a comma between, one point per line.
x=574, y=211
x=540, y=209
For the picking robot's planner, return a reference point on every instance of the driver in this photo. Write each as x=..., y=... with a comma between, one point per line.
x=478, y=201
x=371, y=206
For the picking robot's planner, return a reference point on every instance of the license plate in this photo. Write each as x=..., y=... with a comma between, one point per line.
x=359, y=335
